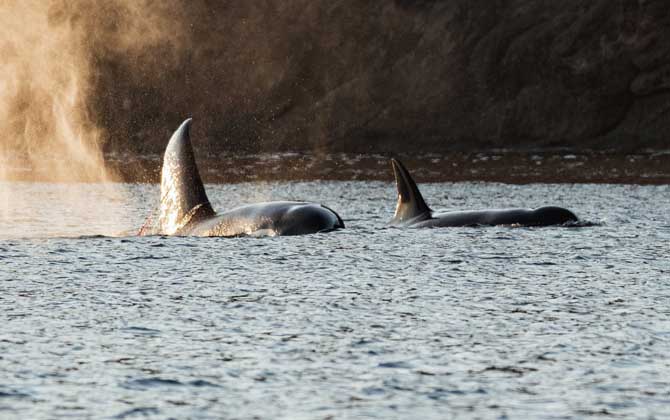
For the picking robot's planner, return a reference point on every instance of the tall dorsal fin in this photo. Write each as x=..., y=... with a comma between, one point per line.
x=410, y=202
x=182, y=193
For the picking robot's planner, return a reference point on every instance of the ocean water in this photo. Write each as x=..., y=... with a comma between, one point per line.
x=367, y=322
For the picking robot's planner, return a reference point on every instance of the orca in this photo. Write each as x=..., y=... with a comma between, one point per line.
x=185, y=209
x=413, y=211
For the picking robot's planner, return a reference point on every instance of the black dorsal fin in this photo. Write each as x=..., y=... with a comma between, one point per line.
x=410, y=202
x=183, y=195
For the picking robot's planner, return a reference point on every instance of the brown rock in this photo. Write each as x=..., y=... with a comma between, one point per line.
x=394, y=76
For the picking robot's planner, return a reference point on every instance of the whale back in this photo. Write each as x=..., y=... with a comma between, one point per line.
x=410, y=201
x=183, y=197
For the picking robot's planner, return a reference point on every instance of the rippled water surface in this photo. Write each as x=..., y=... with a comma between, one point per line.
x=367, y=322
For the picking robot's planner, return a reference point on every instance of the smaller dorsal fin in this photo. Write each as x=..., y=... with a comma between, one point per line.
x=183, y=195
x=410, y=202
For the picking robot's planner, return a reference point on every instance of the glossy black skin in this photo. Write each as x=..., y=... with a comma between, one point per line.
x=542, y=216
x=412, y=210
x=185, y=209
x=277, y=218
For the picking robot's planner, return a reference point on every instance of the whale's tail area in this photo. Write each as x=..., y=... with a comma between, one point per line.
x=410, y=202
x=183, y=197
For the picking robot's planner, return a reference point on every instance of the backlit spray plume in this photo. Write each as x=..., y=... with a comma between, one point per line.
x=51, y=54
x=44, y=80
x=47, y=79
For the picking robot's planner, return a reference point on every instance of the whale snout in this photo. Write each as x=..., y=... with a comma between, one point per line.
x=311, y=218
x=551, y=215
x=339, y=223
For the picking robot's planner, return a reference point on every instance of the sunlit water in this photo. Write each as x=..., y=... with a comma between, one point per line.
x=367, y=322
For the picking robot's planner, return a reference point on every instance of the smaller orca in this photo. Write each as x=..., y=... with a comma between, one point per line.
x=412, y=210
x=185, y=209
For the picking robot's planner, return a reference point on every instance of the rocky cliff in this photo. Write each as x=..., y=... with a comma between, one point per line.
x=390, y=75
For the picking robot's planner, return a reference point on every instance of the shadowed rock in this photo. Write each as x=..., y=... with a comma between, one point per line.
x=398, y=76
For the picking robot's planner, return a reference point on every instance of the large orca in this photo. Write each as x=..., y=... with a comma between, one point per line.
x=412, y=210
x=185, y=209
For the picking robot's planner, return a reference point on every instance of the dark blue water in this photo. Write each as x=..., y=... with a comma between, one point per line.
x=367, y=322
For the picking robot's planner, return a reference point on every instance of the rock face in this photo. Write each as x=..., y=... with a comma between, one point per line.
x=395, y=76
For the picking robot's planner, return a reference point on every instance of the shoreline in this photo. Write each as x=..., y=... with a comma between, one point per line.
x=511, y=167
